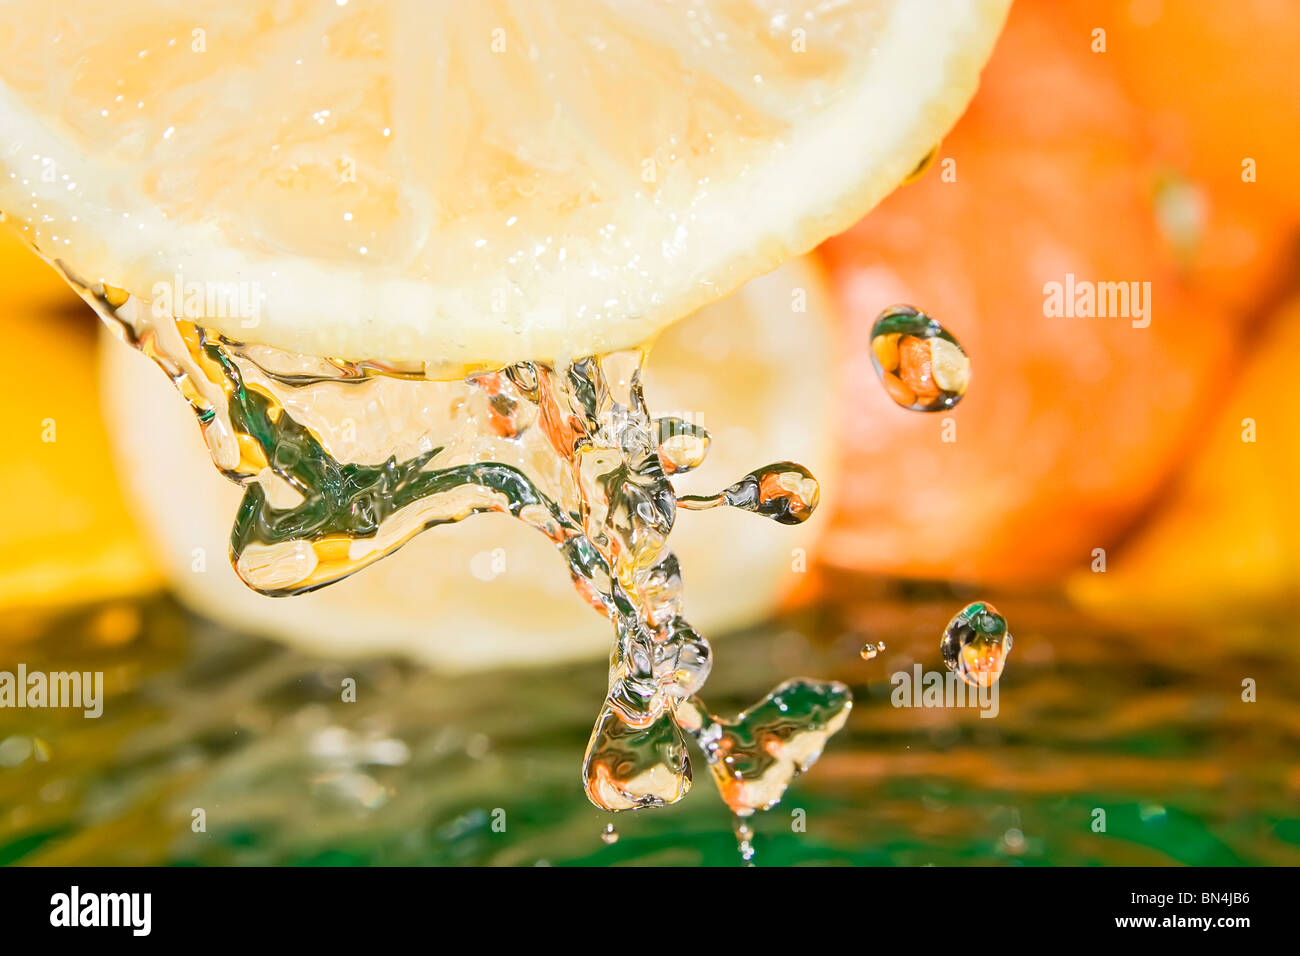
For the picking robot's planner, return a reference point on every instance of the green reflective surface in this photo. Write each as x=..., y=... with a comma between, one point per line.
x=1147, y=725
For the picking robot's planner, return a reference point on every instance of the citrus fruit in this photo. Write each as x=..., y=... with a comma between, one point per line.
x=465, y=183
x=1223, y=541
x=1222, y=137
x=1072, y=423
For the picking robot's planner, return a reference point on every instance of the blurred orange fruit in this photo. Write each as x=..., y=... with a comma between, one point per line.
x=1215, y=83
x=1071, y=424
x=1225, y=540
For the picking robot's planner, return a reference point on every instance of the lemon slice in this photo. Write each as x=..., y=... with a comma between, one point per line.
x=500, y=593
x=464, y=182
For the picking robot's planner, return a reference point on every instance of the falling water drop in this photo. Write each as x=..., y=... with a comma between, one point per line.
x=609, y=835
x=920, y=363
x=976, y=644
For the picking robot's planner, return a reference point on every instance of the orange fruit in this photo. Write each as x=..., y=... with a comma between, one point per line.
x=1227, y=538
x=1214, y=81
x=1072, y=423
x=464, y=183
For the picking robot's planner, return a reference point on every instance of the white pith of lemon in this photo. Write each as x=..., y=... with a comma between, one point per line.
x=490, y=591
x=458, y=182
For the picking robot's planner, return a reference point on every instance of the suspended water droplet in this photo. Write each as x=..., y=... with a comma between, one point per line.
x=682, y=445
x=976, y=644
x=920, y=363
x=783, y=491
x=754, y=756
x=870, y=651
x=609, y=835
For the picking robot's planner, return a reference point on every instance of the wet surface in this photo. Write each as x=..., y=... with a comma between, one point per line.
x=1147, y=725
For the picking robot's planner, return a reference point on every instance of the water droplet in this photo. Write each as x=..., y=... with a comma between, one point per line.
x=920, y=363
x=783, y=491
x=609, y=835
x=754, y=756
x=976, y=644
x=870, y=651
x=682, y=445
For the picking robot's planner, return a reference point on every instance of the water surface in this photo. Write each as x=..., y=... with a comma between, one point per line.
x=1146, y=724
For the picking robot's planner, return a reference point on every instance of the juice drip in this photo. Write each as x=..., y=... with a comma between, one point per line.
x=343, y=462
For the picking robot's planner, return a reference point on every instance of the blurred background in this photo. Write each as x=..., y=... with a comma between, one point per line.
x=1123, y=494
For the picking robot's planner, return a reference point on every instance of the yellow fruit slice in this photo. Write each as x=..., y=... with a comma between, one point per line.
x=491, y=590
x=464, y=182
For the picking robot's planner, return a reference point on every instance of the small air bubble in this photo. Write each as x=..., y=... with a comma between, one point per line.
x=871, y=651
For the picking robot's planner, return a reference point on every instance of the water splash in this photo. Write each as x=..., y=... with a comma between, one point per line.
x=343, y=462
